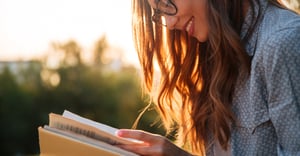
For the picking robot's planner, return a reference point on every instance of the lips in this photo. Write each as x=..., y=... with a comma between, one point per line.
x=189, y=26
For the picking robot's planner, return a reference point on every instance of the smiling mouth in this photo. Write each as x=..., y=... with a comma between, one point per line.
x=189, y=27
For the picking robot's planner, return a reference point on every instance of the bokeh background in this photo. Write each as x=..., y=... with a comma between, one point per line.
x=73, y=55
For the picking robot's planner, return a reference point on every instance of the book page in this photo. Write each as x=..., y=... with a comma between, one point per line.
x=76, y=124
x=106, y=128
x=89, y=122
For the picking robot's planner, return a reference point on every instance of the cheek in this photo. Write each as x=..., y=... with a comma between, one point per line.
x=201, y=24
x=201, y=29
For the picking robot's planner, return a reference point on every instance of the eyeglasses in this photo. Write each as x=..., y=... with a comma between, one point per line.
x=163, y=7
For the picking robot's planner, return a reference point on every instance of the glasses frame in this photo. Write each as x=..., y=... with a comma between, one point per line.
x=158, y=13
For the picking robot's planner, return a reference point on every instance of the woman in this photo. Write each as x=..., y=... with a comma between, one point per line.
x=230, y=73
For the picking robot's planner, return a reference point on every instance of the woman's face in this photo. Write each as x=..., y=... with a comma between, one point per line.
x=191, y=17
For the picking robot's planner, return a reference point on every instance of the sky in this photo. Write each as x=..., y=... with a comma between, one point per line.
x=27, y=27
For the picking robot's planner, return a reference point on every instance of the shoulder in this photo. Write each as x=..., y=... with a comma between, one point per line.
x=281, y=47
x=280, y=32
x=284, y=39
x=278, y=22
x=279, y=40
x=279, y=17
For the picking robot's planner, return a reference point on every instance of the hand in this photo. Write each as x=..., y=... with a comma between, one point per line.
x=154, y=145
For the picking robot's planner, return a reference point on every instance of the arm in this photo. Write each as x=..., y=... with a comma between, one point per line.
x=282, y=73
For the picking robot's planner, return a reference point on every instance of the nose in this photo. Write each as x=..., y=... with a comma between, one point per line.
x=171, y=22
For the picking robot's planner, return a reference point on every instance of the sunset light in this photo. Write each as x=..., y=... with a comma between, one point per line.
x=27, y=28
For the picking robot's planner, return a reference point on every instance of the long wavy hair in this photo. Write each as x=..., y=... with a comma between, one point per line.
x=194, y=91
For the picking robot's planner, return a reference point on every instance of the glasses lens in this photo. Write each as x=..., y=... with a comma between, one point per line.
x=158, y=18
x=166, y=7
x=163, y=7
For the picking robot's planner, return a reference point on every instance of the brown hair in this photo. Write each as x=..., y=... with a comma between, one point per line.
x=197, y=80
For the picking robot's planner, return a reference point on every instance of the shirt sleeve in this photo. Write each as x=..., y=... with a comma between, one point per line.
x=282, y=75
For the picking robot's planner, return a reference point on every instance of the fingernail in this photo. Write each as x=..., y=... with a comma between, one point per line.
x=118, y=132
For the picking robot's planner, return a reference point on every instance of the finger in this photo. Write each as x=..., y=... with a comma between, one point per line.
x=139, y=135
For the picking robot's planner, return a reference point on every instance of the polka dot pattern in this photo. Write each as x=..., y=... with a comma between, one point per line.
x=267, y=102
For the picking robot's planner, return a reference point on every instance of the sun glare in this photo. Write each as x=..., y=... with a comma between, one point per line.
x=28, y=27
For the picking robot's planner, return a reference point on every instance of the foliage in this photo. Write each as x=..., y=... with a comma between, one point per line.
x=29, y=94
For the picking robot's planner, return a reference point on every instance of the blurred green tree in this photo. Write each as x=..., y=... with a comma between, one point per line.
x=100, y=46
x=17, y=132
x=29, y=94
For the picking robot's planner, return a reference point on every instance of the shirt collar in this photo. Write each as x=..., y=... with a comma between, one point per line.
x=259, y=7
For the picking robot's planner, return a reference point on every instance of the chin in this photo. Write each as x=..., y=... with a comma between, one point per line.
x=201, y=39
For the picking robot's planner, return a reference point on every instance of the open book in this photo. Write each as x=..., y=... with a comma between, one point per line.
x=71, y=134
